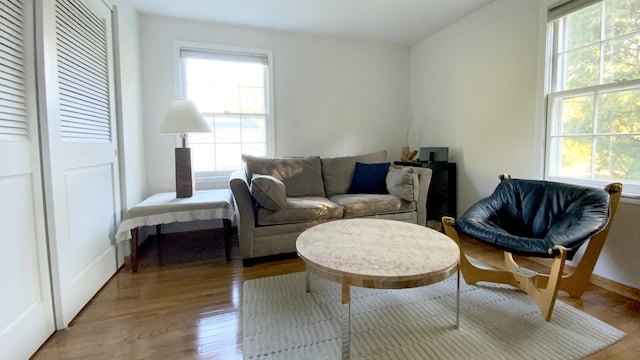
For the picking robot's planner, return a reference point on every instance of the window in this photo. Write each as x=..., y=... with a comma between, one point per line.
x=593, y=115
x=230, y=86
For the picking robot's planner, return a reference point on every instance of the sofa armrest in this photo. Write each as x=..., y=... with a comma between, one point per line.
x=246, y=212
x=424, y=180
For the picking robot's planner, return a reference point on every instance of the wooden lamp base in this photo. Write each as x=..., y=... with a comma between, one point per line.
x=185, y=181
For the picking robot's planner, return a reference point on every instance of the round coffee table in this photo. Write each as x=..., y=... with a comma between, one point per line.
x=376, y=253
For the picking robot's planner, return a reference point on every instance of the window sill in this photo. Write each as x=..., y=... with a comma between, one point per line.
x=630, y=199
x=213, y=181
x=630, y=192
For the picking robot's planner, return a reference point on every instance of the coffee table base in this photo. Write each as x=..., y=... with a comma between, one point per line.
x=346, y=321
x=346, y=311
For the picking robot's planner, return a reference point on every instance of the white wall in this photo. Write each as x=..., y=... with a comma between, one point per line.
x=474, y=88
x=333, y=96
x=130, y=125
x=132, y=136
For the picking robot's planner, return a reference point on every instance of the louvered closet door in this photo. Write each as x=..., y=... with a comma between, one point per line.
x=81, y=170
x=26, y=311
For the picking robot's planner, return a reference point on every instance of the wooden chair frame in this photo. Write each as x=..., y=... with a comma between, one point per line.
x=542, y=288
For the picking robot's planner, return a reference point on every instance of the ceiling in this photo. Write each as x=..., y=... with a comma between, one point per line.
x=398, y=21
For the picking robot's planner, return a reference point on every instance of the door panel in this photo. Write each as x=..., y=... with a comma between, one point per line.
x=91, y=185
x=81, y=169
x=26, y=309
x=18, y=212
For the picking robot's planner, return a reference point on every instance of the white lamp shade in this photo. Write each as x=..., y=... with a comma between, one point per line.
x=183, y=117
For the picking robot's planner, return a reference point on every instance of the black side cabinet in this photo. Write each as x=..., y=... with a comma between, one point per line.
x=441, y=198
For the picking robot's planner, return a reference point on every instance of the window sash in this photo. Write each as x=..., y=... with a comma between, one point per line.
x=217, y=175
x=224, y=56
x=557, y=95
x=566, y=7
x=246, y=137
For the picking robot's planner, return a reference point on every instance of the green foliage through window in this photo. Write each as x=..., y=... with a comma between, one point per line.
x=594, y=101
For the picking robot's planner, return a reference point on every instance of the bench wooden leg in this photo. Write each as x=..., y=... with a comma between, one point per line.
x=134, y=250
x=226, y=223
x=159, y=253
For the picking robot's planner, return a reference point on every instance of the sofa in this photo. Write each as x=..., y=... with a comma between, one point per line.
x=277, y=198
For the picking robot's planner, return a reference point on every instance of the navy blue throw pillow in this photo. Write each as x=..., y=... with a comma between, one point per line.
x=369, y=179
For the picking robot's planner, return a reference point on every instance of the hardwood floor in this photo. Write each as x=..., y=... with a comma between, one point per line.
x=189, y=307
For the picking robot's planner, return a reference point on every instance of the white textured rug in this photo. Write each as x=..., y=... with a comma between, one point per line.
x=281, y=321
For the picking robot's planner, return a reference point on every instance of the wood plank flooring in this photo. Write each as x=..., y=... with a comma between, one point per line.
x=188, y=306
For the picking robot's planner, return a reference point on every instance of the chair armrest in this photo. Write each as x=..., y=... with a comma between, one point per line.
x=424, y=180
x=246, y=212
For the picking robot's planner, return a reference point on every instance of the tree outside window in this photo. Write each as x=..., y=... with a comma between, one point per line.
x=594, y=100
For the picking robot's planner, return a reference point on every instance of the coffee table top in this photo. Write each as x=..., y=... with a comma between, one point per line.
x=378, y=253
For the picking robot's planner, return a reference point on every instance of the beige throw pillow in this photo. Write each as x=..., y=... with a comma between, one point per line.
x=402, y=183
x=269, y=192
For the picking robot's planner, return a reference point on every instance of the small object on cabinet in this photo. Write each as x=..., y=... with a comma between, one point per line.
x=408, y=155
x=434, y=154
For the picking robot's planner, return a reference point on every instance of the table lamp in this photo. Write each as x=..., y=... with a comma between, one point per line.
x=182, y=118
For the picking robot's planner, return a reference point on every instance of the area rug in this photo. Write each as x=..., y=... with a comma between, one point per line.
x=281, y=321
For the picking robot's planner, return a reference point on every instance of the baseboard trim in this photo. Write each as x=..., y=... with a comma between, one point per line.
x=597, y=280
x=616, y=287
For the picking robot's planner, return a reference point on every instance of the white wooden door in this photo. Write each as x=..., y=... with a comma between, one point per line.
x=79, y=150
x=26, y=310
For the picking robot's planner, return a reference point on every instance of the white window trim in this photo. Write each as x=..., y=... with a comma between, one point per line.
x=220, y=179
x=545, y=45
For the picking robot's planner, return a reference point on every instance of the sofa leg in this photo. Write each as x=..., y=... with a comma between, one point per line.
x=248, y=262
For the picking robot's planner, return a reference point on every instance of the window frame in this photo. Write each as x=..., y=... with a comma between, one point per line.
x=220, y=179
x=550, y=50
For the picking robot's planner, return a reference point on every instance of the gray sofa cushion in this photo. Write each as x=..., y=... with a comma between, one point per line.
x=337, y=172
x=301, y=209
x=302, y=176
x=402, y=183
x=357, y=205
x=269, y=192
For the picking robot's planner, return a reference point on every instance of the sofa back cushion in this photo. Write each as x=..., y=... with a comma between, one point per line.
x=302, y=176
x=337, y=172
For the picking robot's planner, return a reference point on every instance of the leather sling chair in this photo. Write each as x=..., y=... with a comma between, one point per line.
x=538, y=219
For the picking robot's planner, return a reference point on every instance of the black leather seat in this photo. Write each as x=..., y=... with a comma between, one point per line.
x=531, y=217
x=540, y=219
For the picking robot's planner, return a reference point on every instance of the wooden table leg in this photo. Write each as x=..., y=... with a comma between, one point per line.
x=159, y=243
x=134, y=250
x=226, y=223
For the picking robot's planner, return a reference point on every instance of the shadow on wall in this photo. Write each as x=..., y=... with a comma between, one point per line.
x=619, y=258
x=472, y=183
